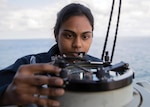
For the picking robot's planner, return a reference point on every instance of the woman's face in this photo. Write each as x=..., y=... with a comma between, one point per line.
x=75, y=35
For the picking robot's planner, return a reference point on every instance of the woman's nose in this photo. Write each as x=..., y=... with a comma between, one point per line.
x=77, y=43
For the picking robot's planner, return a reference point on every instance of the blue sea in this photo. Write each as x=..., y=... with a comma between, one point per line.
x=132, y=50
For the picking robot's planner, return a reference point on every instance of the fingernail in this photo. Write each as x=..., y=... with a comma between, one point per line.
x=58, y=69
x=58, y=81
x=59, y=91
x=55, y=104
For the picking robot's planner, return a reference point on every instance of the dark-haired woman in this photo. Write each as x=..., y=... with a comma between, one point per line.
x=73, y=33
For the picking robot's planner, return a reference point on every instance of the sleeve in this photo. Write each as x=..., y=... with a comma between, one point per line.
x=7, y=74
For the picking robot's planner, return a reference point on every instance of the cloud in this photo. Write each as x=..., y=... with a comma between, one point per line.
x=40, y=17
x=135, y=17
x=3, y=4
x=25, y=19
x=14, y=21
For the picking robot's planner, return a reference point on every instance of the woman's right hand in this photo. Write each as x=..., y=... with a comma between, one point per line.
x=26, y=86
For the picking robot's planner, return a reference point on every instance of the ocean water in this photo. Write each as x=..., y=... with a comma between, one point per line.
x=132, y=50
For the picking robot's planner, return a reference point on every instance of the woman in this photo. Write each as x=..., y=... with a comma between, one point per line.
x=73, y=33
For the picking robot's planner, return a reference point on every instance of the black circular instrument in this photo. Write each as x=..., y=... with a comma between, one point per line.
x=82, y=75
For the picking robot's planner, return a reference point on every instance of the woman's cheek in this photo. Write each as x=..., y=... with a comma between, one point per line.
x=65, y=46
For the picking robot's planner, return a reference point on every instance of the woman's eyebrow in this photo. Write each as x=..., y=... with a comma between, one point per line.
x=67, y=30
x=87, y=32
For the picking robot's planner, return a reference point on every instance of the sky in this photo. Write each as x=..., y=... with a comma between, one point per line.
x=26, y=19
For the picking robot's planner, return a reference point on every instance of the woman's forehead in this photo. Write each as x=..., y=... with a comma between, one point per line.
x=78, y=23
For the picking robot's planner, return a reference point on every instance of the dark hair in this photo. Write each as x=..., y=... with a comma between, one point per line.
x=73, y=9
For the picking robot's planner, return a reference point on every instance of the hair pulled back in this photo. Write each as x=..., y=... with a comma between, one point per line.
x=73, y=9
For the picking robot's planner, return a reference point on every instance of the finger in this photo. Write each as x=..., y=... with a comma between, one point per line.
x=43, y=101
x=39, y=68
x=46, y=102
x=51, y=91
x=35, y=84
x=40, y=80
x=47, y=91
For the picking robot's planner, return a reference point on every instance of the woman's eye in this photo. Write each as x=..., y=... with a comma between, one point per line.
x=69, y=36
x=85, y=37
